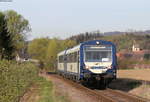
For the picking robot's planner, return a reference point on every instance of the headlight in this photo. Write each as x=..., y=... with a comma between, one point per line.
x=109, y=67
x=87, y=67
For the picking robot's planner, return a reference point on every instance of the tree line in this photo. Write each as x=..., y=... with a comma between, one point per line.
x=46, y=50
x=79, y=38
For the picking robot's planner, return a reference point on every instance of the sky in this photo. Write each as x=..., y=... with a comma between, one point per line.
x=64, y=18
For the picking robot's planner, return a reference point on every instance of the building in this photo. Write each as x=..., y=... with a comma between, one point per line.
x=135, y=48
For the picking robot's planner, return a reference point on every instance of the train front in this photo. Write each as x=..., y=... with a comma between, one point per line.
x=99, y=60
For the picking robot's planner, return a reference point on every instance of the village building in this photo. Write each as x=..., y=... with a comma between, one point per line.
x=135, y=48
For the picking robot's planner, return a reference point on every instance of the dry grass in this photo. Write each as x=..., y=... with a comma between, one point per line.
x=138, y=74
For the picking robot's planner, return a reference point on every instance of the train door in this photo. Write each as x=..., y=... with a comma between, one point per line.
x=65, y=63
x=78, y=64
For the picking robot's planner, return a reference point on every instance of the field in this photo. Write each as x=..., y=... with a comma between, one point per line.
x=138, y=74
x=134, y=81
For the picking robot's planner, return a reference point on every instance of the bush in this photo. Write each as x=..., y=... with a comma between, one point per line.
x=131, y=63
x=15, y=79
x=147, y=56
x=126, y=63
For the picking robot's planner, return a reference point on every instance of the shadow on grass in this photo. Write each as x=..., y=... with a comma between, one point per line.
x=126, y=85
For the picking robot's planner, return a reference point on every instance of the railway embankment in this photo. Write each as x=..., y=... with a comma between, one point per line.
x=79, y=93
x=65, y=88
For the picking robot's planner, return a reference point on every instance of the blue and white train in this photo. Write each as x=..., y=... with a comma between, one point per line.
x=94, y=62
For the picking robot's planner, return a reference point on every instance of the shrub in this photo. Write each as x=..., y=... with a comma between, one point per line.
x=126, y=63
x=147, y=56
x=15, y=79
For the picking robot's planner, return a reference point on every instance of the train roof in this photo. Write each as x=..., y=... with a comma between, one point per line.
x=76, y=48
x=70, y=50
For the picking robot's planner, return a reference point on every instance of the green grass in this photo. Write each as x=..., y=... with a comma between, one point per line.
x=47, y=92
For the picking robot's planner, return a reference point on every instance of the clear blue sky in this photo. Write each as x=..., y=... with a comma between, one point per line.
x=63, y=18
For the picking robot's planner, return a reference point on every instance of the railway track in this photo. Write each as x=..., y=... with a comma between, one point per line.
x=107, y=95
x=119, y=96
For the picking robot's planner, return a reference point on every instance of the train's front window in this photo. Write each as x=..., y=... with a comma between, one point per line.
x=98, y=53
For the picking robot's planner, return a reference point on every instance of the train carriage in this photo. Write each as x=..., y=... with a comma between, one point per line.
x=92, y=61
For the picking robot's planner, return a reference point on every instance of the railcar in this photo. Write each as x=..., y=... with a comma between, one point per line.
x=92, y=62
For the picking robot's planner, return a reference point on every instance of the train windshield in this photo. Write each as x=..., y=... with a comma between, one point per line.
x=98, y=53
